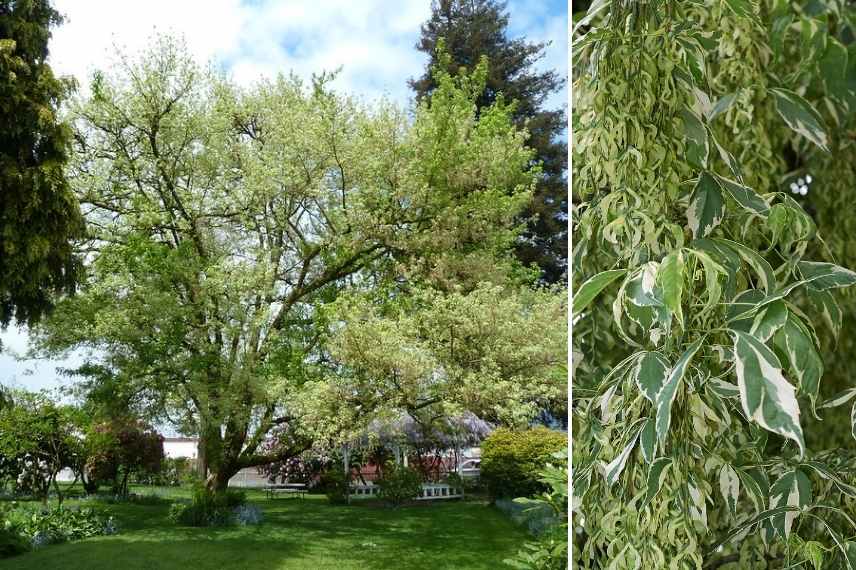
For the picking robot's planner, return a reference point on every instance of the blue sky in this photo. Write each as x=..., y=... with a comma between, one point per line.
x=372, y=40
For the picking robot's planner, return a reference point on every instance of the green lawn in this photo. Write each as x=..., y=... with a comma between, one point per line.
x=296, y=534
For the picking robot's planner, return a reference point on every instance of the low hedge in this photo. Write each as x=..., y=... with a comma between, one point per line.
x=512, y=459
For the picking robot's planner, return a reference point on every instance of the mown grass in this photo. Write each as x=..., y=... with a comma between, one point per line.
x=296, y=534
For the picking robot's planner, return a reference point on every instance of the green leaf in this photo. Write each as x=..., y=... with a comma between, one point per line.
x=698, y=147
x=656, y=474
x=826, y=473
x=824, y=276
x=670, y=277
x=592, y=287
x=800, y=116
x=667, y=394
x=793, y=489
x=706, y=208
x=839, y=399
x=767, y=397
x=743, y=195
x=761, y=517
x=729, y=486
x=650, y=374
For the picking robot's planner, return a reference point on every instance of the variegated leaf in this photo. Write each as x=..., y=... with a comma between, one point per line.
x=613, y=470
x=825, y=302
x=800, y=116
x=795, y=341
x=747, y=198
x=729, y=486
x=648, y=441
x=698, y=146
x=656, y=475
x=793, y=489
x=670, y=278
x=592, y=287
x=650, y=374
x=759, y=265
x=824, y=276
x=706, y=207
x=667, y=394
x=767, y=397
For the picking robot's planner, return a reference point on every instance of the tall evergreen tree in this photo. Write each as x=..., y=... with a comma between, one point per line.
x=39, y=215
x=475, y=28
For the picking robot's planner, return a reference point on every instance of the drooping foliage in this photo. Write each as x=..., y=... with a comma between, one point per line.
x=470, y=30
x=39, y=215
x=706, y=296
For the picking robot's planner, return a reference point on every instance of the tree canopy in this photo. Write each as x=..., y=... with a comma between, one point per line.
x=223, y=219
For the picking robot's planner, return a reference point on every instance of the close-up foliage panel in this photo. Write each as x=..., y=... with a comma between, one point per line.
x=712, y=172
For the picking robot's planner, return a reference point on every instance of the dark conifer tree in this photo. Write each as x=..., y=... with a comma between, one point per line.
x=39, y=215
x=475, y=28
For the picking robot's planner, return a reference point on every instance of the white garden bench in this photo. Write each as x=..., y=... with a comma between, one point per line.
x=289, y=490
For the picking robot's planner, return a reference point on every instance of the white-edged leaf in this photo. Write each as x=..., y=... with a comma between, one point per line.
x=759, y=265
x=743, y=195
x=729, y=486
x=765, y=322
x=767, y=397
x=698, y=147
x=724, y=389
x=853, y=421
x=800, y=116
x=613, y=471
x=667, y=393
x=650, y=374
x=824, y=276
x=706, y=207
x=648, y=441
x=793, y=489
x=656, y=474
x=795, y=340
x=712, y=271
x=828, y=306
x=592, y=287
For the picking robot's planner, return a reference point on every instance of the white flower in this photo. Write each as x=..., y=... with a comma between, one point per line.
x=794, y=188
x=800, y=181
x=808, y=178
x=803, y=190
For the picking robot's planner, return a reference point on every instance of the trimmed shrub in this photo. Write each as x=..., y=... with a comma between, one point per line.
x=511, y=460
x=399, y=484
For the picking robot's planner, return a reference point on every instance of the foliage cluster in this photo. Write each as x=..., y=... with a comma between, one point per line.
x=399, y=484
x=40, y=527
x=708, y=299
x=512, y=460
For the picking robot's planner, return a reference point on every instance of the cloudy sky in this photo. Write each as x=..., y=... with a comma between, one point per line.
x=372, y=40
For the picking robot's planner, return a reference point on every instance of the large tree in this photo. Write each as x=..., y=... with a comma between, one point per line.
x=470, y=30
x=39, y=214
x=223, y=217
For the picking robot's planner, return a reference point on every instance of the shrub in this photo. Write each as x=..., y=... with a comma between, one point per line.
x=335, y=483
x=399, y=484
x=511, y=460
x=209, y=508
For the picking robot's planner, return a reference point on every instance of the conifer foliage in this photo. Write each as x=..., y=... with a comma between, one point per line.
x=39, y=215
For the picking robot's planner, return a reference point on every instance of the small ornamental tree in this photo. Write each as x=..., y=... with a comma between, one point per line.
x=702, y=285
x=121, y=448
